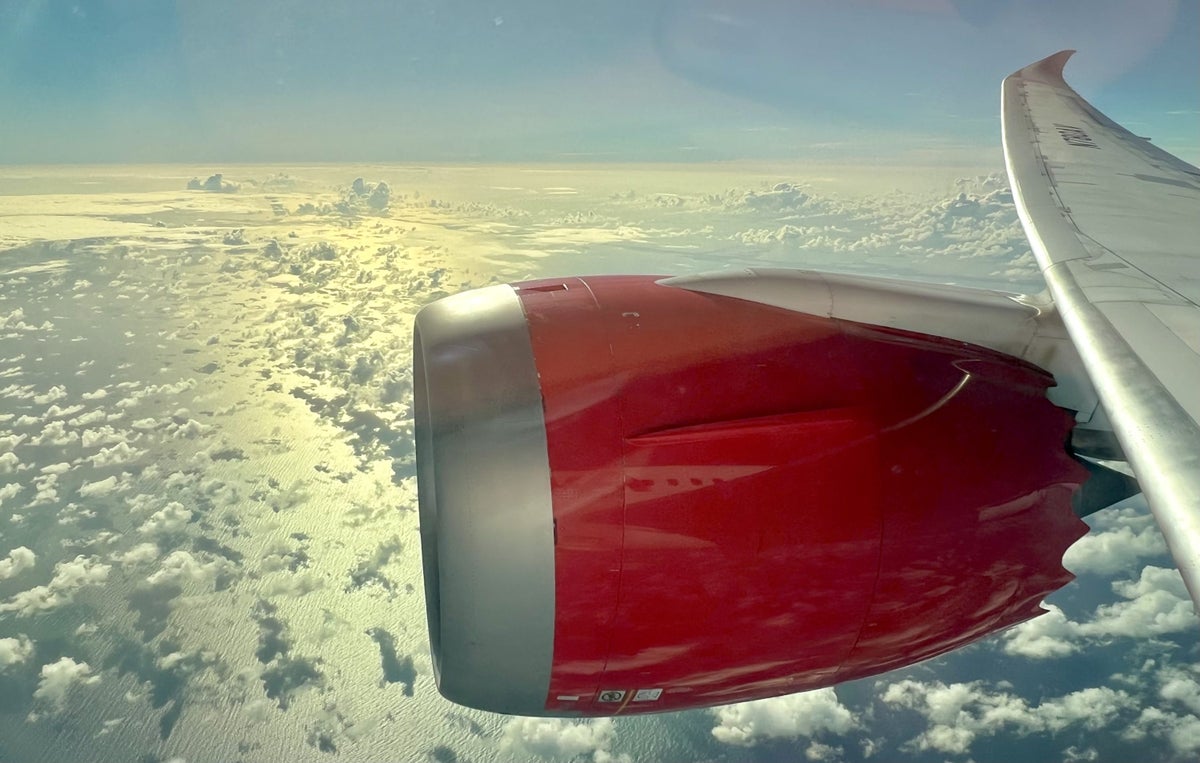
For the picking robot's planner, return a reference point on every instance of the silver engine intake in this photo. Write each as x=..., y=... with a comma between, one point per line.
x=487, y=528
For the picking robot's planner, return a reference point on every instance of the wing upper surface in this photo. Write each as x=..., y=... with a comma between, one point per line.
x=1115, y=224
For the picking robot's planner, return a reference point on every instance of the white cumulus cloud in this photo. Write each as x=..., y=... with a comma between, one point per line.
x=1049, y=636
x=1157, y=603
x=47, y=489
x=1183, y=687
x=8, y=491
x=103, y=487
x=96, y=416
x=181, y=565
x=959, y=714
x=10, y=441
x=9, y=463
x=171, y=518
x=139, y=554
x=559, y=739
x=57, y=412
x=104, y=435
x=14, y=651
x=55, y=393
x=56, y=435
x=1122, y=539
x=796, y=715
x=118, y=454
x=1182, y=732
x=69, y=578
x=59, y=677
x=19, y=559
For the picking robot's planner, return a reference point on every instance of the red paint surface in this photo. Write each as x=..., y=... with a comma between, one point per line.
x=751, y=501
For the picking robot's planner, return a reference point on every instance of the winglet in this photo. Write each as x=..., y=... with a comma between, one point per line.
x=1049, y=70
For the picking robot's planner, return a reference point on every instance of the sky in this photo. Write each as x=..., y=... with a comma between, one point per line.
x=530, y=80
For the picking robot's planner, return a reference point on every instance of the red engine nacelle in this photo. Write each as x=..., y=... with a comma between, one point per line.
x=638, y=498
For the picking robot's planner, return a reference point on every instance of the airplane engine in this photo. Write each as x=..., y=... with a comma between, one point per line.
x=640, y=498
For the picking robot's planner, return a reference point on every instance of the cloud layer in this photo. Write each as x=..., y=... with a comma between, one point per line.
x=207, y=490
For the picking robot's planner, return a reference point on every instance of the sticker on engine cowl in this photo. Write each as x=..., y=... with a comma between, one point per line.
x=611, y=695
x=647, y=695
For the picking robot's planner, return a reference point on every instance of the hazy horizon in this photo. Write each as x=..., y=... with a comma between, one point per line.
x=525, y=81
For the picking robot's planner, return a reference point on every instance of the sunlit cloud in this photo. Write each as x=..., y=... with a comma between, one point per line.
x=807, y=714
x=959, y=714
x=69, y=578
x=19, y=559
x=14, y=651
x=58, y=678
x=558, y=739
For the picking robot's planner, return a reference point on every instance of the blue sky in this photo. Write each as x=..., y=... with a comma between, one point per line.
x=531, y=80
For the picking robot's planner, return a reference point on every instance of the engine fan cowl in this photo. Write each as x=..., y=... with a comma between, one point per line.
x=636, y=498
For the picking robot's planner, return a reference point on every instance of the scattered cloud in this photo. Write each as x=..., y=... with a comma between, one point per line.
x=170, y=519
x=823, y=752
x=959, y=714
x=58, y=678
x=189, y=429
x=214, y=184
x=10, y=441
x=58, y=412
x=19, y=559
x=47, y=490
x=94, y=416
x=1048, y=636
x=14, y=651
x=370, y=570
x=99, y=488
x=179, y=566
x=117, y=455
x=54, y=394
x=139, y=554
x=101, y=436
x=56, y=434
x=1122, y=539
x=559, y=739
x=1155, y=604
x=69, y=578
x=293, y=584
x=807, y=714
x=10, y=490
x=1182, y=732
x=1075, y=754
x=9, y=463
x=286, y=675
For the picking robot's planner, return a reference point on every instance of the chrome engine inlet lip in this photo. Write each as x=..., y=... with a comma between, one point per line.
x=487, y=525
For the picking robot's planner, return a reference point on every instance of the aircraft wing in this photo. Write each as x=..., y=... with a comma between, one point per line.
x=1115, y=224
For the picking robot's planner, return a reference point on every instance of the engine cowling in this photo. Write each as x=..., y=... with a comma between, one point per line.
x=638, y=498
